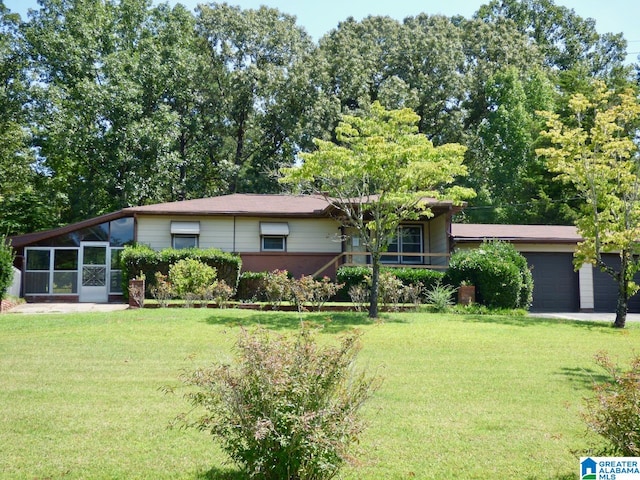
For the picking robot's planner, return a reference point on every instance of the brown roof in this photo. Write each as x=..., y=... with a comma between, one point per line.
x=241, y=204
x=462, y=232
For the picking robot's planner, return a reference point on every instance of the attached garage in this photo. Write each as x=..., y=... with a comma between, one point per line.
x=549, y=253
x=555, y=283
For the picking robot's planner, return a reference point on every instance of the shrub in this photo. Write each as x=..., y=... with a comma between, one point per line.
x=251, y=286
x=190, y=276
x=359, y=296
x=287, y=408
x=6, y=265
x=148, y=261
x=277, y=287
x=614, y=411
x=440, y=297
x=390, y=289
x=162, y=291
x=500, y=274
x=414, y=276
x=221, y=293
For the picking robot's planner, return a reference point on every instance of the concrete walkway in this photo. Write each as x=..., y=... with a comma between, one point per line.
x=66, y=307
x=588, y=317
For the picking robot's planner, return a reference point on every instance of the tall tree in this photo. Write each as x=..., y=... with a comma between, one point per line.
x=565, y=39
x=379, y=174
x=596, y=153
x=258, y=61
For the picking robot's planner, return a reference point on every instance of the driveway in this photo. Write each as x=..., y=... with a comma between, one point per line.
x=590, y=317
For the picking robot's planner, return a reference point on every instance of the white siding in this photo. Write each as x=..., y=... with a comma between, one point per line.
x=585, y=275
x=438, y=239
x=316, y=235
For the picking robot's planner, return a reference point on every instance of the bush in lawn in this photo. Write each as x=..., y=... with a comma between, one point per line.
x=614, y=411
x=190, y=276
x=390, y=289
x=287, y=409
x=221, y=293
x=500, y=274
x=359, y=295
x=6, y=265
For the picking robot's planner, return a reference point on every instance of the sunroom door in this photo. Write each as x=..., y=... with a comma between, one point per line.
x=94, y=271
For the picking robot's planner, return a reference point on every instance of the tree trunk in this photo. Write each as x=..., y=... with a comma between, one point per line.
x=375, y=285
x=622, y=305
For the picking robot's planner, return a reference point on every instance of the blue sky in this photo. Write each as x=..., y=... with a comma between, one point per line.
x=319, y=17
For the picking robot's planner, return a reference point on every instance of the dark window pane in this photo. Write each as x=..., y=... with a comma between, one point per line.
x=273, y=243
x=65, y=260
x=38, y=259
x=115, y=258
x=185, y=241
x=94, y=256
x=99, y=233
x=116, y=281
x=36, y=282
x=121, y=232
x=65, y=282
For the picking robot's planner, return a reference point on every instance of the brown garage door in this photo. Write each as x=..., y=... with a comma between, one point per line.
x=555, y=283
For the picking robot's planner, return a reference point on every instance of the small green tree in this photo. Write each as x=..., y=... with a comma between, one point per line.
x=288, y=409
x=6, y=265
x=596, y=153
x=380, y=173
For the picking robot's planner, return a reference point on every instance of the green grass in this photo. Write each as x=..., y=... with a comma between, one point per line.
x=464, y=397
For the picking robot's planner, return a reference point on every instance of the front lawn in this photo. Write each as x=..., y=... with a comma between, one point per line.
x=464, y=397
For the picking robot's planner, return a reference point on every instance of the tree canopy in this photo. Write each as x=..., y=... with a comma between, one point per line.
x=140, y=103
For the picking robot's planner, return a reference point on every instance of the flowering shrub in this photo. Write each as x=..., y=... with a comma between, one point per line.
x=614, y=411
x=287, y=409
x=162, y=291
x=277, y=287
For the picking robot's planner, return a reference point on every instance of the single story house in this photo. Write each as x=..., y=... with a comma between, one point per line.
x=549, y=253
x=79, y=262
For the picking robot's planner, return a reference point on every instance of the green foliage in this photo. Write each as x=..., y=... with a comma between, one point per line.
x=251, y=286
x=190, y=276
x=6, y=265
x=162, y=291
x=277, y=287
x=595, y=151
x=614, y=410
x=307, y=289
x=352, y=276
x=144, y=259
x=440, y=297
x=287, y=408
x=500, y=274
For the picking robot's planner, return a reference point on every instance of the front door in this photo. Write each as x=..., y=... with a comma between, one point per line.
x=94, y=272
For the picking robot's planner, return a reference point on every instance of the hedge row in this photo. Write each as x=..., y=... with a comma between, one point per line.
x=351, y=276
x=146, y=261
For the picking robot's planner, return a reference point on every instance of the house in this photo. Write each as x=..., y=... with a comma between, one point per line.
x=79, y=262
x=557, y=287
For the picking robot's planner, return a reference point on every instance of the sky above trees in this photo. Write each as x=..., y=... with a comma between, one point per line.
x=319, y=18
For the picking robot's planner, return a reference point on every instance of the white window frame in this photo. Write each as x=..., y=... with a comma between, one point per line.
x=264, y=248
x=399, y=258
x=196, y=240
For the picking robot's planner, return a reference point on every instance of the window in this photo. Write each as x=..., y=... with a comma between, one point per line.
x=273, y=236
x=51, y=271
x=408, y=240
x=274, y=244
x=115, y=274
x=184, y=241
x=185, y=234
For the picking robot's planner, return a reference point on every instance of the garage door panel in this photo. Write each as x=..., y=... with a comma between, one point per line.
x=555, y=282
x=605, y=288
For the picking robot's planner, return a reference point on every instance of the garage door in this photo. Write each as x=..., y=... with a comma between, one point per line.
x=605, y=289
x=555, y=283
